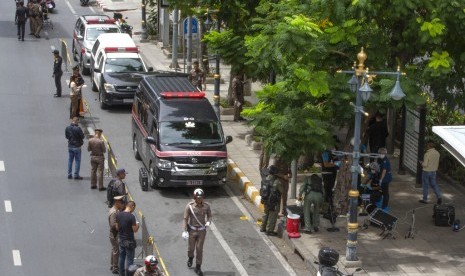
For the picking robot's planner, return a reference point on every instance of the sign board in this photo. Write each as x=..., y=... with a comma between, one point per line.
x=194, y=25
x=411, y=139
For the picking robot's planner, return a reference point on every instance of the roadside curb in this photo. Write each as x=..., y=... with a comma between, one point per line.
x=249, y=189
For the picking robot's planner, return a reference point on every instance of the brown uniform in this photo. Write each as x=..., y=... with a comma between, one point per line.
x=197, y=231
x=36, y=11
x=284, y=172
x=113, y=238
x=142, y=271
x=97, y=149
x=197, y=78
x=238, y=95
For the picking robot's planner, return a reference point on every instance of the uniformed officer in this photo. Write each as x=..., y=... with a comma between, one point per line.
x=117, y=207
x=150, y=269
x=36, y=13
x=57, y=72
x=312, y=190
x=97, y=149
x=20, y=19
x=197, y=216
x=197, y=77
x=272, y=206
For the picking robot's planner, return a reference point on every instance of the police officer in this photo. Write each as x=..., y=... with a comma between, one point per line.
x=57, y=72
x=150, y=269
x=197, y=77
x=20, y=19
x=272, y=205
x=97, y=149
x=36, y=13
x=117, y=207
x=312, y=189
x=197, y=216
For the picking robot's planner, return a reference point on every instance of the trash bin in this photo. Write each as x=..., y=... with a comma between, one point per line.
x=292, y=225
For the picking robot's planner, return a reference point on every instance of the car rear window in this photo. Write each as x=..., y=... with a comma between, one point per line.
x=122, y=65
x=94, y=32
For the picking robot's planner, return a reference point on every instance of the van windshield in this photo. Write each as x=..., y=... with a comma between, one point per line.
x=122, y=65
x=190, y=132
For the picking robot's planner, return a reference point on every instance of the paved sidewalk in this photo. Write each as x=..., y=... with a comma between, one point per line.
x=433, y=250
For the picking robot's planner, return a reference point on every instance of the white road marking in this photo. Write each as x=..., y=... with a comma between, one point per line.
x=70, y=7
x=91, y=131
x=267, y=240
x=8, y=208
x=2, y=166
x=92, y=9
x=228, y=250
x=16, y=258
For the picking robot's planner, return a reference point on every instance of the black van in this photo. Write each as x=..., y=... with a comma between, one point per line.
x=177, y=134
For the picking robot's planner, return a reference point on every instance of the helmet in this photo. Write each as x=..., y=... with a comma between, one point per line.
x=273, y=170
x=328, y=256
x=198, y=192
x=374, y=166
x=151, y=260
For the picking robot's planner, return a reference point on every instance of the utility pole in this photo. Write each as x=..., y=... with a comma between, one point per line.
x=189, y=43
x=174, y=49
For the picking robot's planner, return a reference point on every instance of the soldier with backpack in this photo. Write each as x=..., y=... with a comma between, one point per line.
x=270, y=192
x=312, y=189
x=116, y=187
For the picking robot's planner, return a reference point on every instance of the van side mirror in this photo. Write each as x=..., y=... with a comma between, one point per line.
x=150, y=140
x=229, y=139
x=79, y=37
x=150, y=69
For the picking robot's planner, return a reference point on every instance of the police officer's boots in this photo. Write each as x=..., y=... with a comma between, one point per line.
x=198, y=270
x=189, y=261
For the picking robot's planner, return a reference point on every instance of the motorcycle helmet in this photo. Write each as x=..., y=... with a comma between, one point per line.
x=198, y=192
x=151, y=260
x=328, y=256
x=273, y=170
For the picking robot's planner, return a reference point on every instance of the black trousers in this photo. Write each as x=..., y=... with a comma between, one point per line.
x=21, y=29
x=58, y=83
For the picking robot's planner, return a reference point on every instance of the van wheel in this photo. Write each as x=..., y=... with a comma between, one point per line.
x=100, y=99
x=94, y=87
x=73, y=51
x=84, y=71
x=135, y=148
x=153, y=182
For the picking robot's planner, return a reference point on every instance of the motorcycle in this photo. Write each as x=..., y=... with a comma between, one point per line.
x=84, y=2
x=123, y=25
x=327, y=260
x=49, y=4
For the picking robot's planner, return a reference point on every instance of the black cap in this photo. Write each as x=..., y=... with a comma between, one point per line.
x=56, y=51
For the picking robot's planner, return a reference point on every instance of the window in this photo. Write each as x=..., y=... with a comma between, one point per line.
x=190, y=132
x=94, y=32
x=122, y=65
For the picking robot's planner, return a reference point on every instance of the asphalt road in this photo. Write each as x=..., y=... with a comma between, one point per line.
x=58, y=226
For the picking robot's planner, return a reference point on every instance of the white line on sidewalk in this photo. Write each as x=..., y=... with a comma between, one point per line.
x=2, y=166
x=70, y=7
x=267, y=240
x=16, y=258
x=8, y=208
x=93, y=11
x=228, y=250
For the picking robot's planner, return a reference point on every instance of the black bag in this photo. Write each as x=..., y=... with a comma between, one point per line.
x=444, y=215
x=265, y=189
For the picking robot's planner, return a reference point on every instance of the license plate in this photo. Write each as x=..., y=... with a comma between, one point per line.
x=194, y=182
x=128, y=100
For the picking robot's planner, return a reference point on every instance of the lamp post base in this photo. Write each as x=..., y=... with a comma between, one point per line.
x=351, y=264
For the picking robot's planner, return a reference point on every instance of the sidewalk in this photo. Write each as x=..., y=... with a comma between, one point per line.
x=433, y=250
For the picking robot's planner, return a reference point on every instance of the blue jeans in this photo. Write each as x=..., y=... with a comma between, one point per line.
x=125, y=254
x=429, y=179
x=74, y=154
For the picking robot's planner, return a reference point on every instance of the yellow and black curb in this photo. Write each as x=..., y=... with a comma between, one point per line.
x=249, y=189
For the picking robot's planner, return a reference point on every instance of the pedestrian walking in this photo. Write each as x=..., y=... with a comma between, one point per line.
x=272, y=204
x=197, y=217
x=150, y=269
x=75, y=137
x=36, y=14
x=31, y=19
x=20, y=19
x=430, y=165
x=238, y=96
x=197, y=77
x=127, y=225
x=386, y=176
x=312, y=193
x=75, y=95
x=117, y=207
x=57, y=71
x=97, y=149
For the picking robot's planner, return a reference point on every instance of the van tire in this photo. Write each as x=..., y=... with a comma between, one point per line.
x=100, y=99
x=135, y=148
x=152, y=181
x=94, y=87
x=84, y=71
x=73, y=51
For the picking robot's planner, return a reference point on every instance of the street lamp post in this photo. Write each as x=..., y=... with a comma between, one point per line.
x=144, y=34
x=217, y=76
x=359, y=84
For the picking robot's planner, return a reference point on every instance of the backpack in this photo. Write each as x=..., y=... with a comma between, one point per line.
x=269, y=196
x=112, y=191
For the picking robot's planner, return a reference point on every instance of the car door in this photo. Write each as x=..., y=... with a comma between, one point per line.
x=99, y=65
